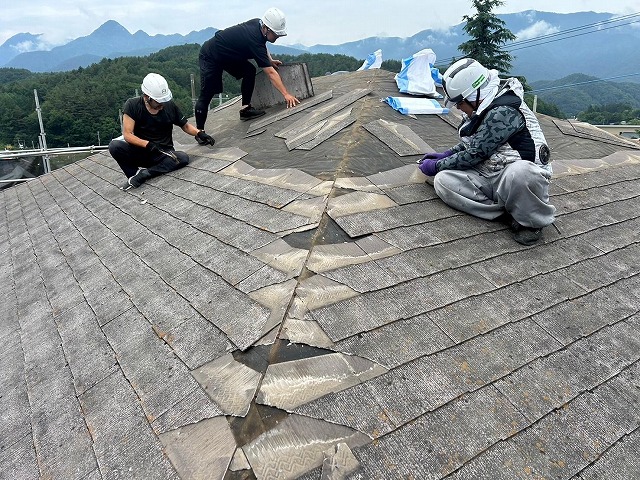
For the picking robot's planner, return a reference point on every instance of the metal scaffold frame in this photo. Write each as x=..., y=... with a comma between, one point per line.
x=43, y=150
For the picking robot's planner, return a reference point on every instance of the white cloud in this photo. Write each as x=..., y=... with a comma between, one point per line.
x=31, y=46
x=538, y=29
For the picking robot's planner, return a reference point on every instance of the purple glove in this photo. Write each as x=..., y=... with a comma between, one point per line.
x=437, y=156
x=429, y=167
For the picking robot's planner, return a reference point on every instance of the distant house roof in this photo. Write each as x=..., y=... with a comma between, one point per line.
x=298, y=300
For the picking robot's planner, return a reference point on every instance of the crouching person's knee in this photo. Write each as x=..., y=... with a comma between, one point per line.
x=117, y=148
x=441, y=184
x=183, y=159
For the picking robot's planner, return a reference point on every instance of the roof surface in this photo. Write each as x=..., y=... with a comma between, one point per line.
x=319, y=312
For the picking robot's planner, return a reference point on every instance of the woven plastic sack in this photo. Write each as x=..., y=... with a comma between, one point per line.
x=373, y=60
x=418, y=76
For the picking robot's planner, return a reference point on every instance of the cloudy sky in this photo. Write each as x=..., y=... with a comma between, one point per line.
x=309, y=23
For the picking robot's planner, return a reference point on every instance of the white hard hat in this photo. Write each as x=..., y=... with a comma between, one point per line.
x=462, y=79
x=156, y=87
x=274, y=19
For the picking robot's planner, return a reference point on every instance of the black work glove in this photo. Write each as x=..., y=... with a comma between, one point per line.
x=153, y=148
x=203, y=138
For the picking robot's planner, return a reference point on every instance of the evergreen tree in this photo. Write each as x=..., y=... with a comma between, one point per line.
x=488, y=33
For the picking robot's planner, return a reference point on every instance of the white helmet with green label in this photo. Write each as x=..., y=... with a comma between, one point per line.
x=462, y=79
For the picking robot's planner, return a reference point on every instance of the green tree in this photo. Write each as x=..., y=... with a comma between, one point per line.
x=612, y=113
x=544, y=107
x=320, y=64
x=391, y=65
x=487, y=35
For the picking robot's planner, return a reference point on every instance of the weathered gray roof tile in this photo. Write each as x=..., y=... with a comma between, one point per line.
x=202, y=450
x=230, y=384
x=158, y=377
x=122, y=439
x=430, y=447
x=397, y=343
x=233, y=312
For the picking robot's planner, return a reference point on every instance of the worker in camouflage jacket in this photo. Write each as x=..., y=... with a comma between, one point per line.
x=500, y=169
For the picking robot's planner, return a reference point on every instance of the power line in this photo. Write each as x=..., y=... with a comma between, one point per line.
x=518, y=43
x=508, y=47
x=575, y=29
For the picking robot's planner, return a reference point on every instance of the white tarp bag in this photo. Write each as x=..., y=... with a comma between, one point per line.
x=418, y=76
x=418, y=106
x=374, y=60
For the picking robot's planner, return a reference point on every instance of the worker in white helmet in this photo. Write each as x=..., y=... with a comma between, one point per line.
x=500, y=169
x=146, y=149
x=230, y=50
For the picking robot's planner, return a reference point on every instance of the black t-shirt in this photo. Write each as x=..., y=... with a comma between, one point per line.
x=240, y=42
x=155, y=128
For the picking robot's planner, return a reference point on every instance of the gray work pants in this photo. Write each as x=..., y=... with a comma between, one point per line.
x=521, y=189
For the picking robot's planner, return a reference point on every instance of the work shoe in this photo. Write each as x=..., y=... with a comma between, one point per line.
x=506, y=219
x=525, y=235
x=141, y=176
x=250, y=112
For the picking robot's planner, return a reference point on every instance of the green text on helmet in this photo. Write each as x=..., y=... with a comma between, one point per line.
x=479, y=81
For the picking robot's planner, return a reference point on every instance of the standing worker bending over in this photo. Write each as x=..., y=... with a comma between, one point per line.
x=230, y=50
x=147, y=127
x=500, y=167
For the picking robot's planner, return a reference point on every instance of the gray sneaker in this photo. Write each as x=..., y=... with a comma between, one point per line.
x=141, y=176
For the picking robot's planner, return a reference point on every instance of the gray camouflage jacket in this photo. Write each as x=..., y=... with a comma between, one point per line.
x=506, y=131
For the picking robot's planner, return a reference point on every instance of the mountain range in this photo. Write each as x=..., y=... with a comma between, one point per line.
x=577, y=46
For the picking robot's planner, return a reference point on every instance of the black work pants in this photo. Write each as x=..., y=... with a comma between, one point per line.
x=211, y=83
x=130, y=158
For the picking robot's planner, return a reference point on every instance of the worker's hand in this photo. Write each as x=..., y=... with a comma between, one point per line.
x=276, y=63
x=429, y=167
x=153, y=147
x=291, y=100
x=436, y=155
x=203, y=138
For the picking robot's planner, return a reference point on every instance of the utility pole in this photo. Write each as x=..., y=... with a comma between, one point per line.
x=42, y=140
x=193, y=93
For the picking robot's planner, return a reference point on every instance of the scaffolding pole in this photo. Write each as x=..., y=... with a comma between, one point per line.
x=42, y=139
x=193, y=93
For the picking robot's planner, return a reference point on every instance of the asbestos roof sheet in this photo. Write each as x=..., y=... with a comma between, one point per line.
x=273, y=313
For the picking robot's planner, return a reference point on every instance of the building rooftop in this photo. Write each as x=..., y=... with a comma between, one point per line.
x=298, y=303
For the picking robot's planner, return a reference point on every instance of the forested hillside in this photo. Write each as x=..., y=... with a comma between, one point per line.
x=78, y=106
x=578, y=92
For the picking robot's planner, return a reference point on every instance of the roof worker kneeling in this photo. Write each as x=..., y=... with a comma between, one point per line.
x=500, y=169
x=230, y=50
x=147, y=125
